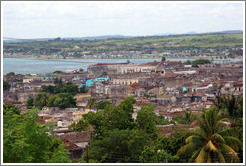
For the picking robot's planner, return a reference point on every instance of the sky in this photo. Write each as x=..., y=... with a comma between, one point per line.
x=50, y=19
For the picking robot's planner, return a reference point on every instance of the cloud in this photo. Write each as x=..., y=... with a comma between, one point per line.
x=83, y=18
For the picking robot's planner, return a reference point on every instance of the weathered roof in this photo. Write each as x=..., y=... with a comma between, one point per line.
x=70, y=146
x=150, y=64
x=76, y=137
x=173, y=62
x=169, y=75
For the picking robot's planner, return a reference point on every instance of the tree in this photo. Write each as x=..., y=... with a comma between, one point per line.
x=59, y=72
x=41, y=100
x=27, y=141
x=160, y=120
x=6, y=85
x=162, y=150
x=104, y=73
x=57, y=153
x=154, y=155
x=30, y=102
x=233, y=106
x=48, y=89
x=146, y=120
x=112, y=117
x=163, y=59
x=10, y=110
x=62, y=100
x=58, y=82
x=197, y=62
x=210, y=142
x=102, y=104
x=81, y=125
x=11, y=74
x=70, y=88
x=118, y=146
x=91, y=103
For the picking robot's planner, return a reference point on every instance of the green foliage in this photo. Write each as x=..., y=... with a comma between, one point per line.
x=146, y=120
x=70, y=88
x=113, y=117
x=83, y=89
x=148, y=96
x=211, y=142
x=11, y=74
x=10, y=110
x=57, y=153
x=233, y=106
x=59, y=72
x=163, y=59
x=104, y=73
x=179, y=119
x=48, y=89
x=30, y=102
x=6, y=85
x=58, y=82
x=118, y=146
x=26, y=141
x=188, y=62
x=92, y=103
x=102, y=104
x=153, y=155
x=160, y=120
x=61, y=88
x=81, y=125
x=162, y=149
x=41, y=100
x=146, y=44
x=62, y=100
x=188, y=118
x=197, y=62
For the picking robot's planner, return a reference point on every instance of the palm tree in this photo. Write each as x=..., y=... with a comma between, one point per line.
x=45, y=99
x=231, y=105
x=211, y=142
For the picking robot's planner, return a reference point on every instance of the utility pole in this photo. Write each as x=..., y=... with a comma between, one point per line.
x=166, y=157
x=83, y=155
x=87, y=158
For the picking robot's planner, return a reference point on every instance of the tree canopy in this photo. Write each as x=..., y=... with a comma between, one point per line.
x=27, y=141
x=211, y=142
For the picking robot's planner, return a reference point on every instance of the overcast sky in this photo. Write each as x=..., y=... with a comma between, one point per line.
x=80, y=19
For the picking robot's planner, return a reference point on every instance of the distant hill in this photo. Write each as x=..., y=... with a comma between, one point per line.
x=97, y=37
x=116, y=36
x=229, y=31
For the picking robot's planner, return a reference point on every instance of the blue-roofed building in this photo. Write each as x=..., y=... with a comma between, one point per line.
x=89, y=82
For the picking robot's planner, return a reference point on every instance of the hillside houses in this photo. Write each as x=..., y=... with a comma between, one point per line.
x=173, y=87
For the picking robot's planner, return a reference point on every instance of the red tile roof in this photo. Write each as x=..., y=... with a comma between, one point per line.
x=173, y=63
x=169, y=75
x=150, y=64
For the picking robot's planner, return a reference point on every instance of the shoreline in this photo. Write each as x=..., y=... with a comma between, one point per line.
x=195, y=57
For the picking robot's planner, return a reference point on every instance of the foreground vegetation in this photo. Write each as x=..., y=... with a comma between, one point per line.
x=117, y=137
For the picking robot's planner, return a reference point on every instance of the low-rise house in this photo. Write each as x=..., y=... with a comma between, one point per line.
x=77, y=141
x=167, y=130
